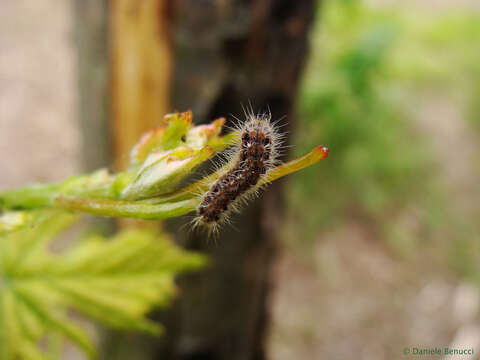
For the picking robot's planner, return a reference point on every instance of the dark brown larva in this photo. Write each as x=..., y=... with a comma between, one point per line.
x=252, y=162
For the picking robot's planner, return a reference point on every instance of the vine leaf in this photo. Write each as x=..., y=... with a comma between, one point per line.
x=114, y=281
x=15, y=220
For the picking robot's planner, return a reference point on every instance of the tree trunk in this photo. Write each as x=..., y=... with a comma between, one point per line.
x=225, y=53
x=229, y=53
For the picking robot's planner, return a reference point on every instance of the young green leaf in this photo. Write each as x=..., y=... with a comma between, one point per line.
x=113, y=281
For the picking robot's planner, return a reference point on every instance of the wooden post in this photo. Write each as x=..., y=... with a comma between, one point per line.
x=141, y=67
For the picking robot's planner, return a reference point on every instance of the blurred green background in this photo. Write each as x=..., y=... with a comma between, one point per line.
x=389, y=223
x=372, y=76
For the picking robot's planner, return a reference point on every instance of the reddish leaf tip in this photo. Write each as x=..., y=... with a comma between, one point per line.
x=322, y=149
x=220, y=121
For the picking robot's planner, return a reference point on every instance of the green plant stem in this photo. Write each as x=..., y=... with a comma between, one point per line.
x=128, y=209
x=314, y=156
x=31, y=197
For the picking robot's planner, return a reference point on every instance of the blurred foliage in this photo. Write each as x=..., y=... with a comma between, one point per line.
x=375, y=163
x=367, y=67
x=114, y=281
x=15, y=220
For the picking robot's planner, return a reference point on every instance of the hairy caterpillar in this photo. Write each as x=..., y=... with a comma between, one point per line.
x=248, y=161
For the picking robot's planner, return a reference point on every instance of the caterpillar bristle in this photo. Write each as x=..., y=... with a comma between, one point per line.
x=245, y=164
